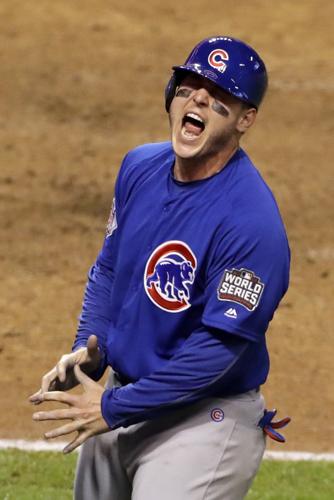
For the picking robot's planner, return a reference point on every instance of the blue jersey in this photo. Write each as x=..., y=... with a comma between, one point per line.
x=187, y=281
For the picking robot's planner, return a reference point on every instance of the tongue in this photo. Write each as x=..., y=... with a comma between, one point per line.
x=191, y=128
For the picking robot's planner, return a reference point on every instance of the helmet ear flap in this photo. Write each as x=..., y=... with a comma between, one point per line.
x=170, y=91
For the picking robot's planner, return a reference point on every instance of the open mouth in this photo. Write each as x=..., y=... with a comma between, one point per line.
x=192, y=124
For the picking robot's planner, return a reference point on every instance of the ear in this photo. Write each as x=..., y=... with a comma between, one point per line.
x=246, y=119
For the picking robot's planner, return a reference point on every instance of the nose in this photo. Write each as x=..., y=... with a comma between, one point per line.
x=201, y=97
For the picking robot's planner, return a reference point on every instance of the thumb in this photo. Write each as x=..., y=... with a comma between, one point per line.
x=92, y=346
x=82, y=378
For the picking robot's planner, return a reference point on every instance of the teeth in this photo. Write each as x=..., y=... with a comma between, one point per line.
x=196, y=117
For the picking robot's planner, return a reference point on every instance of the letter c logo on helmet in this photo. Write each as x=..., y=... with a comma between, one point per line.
x=216, y=59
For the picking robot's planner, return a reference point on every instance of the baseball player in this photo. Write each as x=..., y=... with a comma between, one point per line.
x=193, y=266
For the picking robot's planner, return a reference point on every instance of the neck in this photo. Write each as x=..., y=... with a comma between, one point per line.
x=194, y=169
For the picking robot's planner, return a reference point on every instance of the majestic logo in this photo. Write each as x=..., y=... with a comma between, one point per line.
x=217, y=59
x=241, y=286
x=112, y=221
x=231, y=313
x=169, y=271
x=217, y=415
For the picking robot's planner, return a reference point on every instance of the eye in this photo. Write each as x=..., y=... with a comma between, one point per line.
x=182, y=92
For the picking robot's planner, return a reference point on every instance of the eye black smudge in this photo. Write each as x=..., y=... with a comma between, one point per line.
x=219, y=108
x=182, y=92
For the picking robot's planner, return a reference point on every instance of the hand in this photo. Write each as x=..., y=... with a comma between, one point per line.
x=84, y=411
x=61, y=377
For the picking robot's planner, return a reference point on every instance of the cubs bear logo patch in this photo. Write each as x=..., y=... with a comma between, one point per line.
x=241, y=286
x=169, y=274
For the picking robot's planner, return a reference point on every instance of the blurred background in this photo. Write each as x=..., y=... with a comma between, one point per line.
x=81, y=83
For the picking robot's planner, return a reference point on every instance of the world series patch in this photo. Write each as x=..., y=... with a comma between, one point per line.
x=241, y=286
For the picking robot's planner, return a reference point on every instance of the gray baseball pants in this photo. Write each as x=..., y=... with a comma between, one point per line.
x=210, y=450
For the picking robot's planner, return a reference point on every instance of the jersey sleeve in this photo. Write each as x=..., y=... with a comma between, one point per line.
x=95, y=313
x=246, y=278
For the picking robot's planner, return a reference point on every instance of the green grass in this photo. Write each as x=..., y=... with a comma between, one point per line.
x=36, y=475
x=293, y=481
x=49, y=476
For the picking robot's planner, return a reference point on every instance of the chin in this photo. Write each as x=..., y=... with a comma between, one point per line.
x=185, y=150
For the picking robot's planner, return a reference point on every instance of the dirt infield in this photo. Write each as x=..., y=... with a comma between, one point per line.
x=81, y=83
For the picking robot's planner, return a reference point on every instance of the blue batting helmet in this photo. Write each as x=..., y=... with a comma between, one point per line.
x=229, y=63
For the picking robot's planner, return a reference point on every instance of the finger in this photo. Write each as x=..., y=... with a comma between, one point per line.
x=64, y=429
x=61, y=371
x=62, y=397
x=55, y=414
x=35, y=398
x=92, y=346
x=81, y=438
x=47, y=379
x=48, y=384
x=84, y=380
